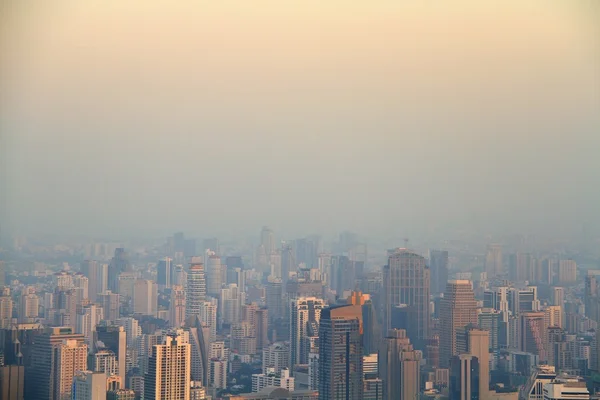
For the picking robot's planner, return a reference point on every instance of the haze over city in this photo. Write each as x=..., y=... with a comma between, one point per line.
x=386, y=118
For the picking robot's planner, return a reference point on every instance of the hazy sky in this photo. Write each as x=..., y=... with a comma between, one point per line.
x=121, y=117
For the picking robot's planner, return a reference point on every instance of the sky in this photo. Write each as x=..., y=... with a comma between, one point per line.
x=217, y=117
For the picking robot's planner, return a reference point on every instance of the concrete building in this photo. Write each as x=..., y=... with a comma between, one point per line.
x=272, y=379
x=458, y=309
x=566, y=389
x=214, y=276
x=114, y=338
x=88, y=385
x=12, y=381
x=464, y=378
x=196, y=289
x=110, y=304
x=169, y=370
x=177, y=306
x=303, y=311
x=399, y=367
x=438, y=267
x=494, y=265
x=145, y=297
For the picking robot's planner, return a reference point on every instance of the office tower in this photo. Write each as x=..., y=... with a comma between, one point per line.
x=199, y=349
x=126, y=281
x=164, y=270
x=29, y=305
x=87, y=318
x=262, y=328
x=267, y=240
x=118, y=264
x=88, y=385
x=478, y=345
x=534, y=388
x=121, y=394
x=496, y=298
x=12, y=382
x=493, y=260
x=340, y=353
x=179, y=276
x=237, y=276
x=110, y=304
x=303, y=311
x=6, y=308
x=276, y=356
x=145, y=299
x=567, y=272
x=231, y=303
x=288, y=262
x=565, y=388
x=114, y=338
x=343, y=274
x=458, y=309
x=214, y=278
x=521, y=267
x=274, y=299
x=399, y=367
x=132, y=329
x=371, y=327
x=177, y=307
x=532, y=330
x=558, y=296
x=464, y=378
x=90, y=269
x=491, y=321
x=169, y=370
x=196, y=289
x=523, y=300
x=406, y=281
x=46, y=370
x=438, y=267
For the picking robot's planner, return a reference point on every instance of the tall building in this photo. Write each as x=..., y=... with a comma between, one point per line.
x=493, y=260
x=90, y=269
x=464, y=378
x=522, y=267
x=438, y=266
x=6, y=309
x=340, y=353
x=276, y=357
x=114, y=338
x=262, y=328
x=88, y=317
x=567, y=272
x=478, y=345
x=214, y=276
x=303, y=311
x=110, y=304
x=532, y=330
x=145, y=299
x=406, y=281
x=196, y=289
x=198, y=333
x=458, y=308
x=88, y=385
x=274, y=299
x=169, y=370
x=232, y=300
x=534, y=387
x=164, y=273
x=12, y=382
x=118, y=264
x=29, y=305
x=399, y=367
x=177, y=306
x=48, y=378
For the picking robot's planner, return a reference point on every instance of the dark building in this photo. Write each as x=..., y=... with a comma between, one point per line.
x=12, y=382
x=17, y=341
x=464, y=378
x=340, y=353
x=119, y=263
x=438, y=266
x=164, y=272
x=233, y=262
x=114, y=339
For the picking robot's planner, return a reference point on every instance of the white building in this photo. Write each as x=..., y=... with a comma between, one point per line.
x=271, y=379
x=566, y=389
x=145, y=299
x=276, y=357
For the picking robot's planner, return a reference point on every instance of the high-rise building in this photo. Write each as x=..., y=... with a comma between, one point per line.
x=145, y=299
x=276, y=356
x=164, y=272
x=532, y=330
x=303, y=311
x=464, y=378
x=177, y=310
x=87, y=318
x=88, y=385
x=48, y=378
x=119, y=263
x=438, y=266
x=110, y=304
x=406, y=281
x=272, y=379
x=91, y=270
x=103, y=360
x=274, y=299
x=534, y=388
x=218, y=373
x=231, y=304
x=493, y=260
x=198, y=333
x=169, y=370
x=340, y=353
x=29, y=305
x=196, y=289
x=567, y=271
x=399, y=367
x=214, y=276
x=114, y=338
x=133, y=330
x=12, y=382
x=478, y=345
x=121, y=394
x=6, y=309
x=262, y=328
x=558, y=296
x=522, y=267
x=458, y=308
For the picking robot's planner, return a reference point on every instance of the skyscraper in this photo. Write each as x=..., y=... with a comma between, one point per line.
x=407, y=281
x=177, y=310
x=196, y=289
x=89, y=385
x=110, y=304
x=399, y=367
x=274, y=299
x=163, y=273
x=340, y=353
x=478, y=345
x=458, y=308
x=118, y=264
x=493, y=260
x=114, y=339
x=47, y=378
x=214, y=276
x=303, y=311
x=90, y=269
x=199, y=349
x=169, y=370
x=532, y=330
x=438, y=266
x=145, y=298
x=464, y=378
